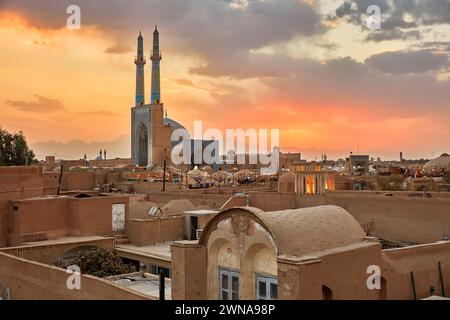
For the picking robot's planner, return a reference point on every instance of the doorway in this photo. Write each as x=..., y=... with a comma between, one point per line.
x=194, y=227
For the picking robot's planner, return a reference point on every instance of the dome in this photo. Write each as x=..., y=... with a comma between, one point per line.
x=177, y=206
x=303, y=232
x=175, y=125
x=440, y=163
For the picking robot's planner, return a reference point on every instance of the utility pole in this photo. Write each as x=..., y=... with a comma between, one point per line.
x=164, y=177
x=60, y=177
x=162, y=285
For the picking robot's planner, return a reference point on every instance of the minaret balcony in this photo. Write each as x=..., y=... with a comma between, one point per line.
x=139, y=60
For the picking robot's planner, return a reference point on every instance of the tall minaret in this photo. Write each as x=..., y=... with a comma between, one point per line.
x=140, y=62
x=156, y=58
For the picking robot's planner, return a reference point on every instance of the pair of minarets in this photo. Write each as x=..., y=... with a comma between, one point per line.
x=104, y=155
x=155, y=57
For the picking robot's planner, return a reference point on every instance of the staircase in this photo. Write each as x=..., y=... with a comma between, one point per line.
x=122, y=239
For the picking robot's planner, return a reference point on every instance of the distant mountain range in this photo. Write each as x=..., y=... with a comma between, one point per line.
x=120, y=148
x=76, y=149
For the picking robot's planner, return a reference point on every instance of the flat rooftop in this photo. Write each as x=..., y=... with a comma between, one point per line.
x=158, y=250
x=144, y=283
x=69, y=195
x=63, y=240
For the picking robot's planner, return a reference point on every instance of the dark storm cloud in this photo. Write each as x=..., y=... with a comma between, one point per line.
x=270, y=65
x=408, y=62
x=211, y=30
x=210, y=25
x=353, y=10
x=442, y=46
x=242, y=65
x=395, y=34
x=394, y=12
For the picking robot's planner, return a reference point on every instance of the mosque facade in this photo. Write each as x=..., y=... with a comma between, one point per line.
x=151, y=129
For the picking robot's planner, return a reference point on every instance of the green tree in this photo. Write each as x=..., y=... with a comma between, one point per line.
x=99, y=262
x=14, y=150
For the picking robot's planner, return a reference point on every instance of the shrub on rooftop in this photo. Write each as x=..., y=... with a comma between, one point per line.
x=100, y=263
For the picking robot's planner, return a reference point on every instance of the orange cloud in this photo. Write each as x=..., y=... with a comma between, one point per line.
x=42, y=105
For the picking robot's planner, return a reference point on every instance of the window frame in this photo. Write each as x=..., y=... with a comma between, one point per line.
x=230, y=273
x=268, y=280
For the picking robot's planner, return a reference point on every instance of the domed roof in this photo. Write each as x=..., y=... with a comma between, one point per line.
x=175, y=125
x=442, y=162
x=304, y=232
x=177, y=206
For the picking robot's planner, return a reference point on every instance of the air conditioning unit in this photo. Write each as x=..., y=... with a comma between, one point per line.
x=198, y=233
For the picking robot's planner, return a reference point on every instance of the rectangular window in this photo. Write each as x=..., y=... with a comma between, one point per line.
x=266, y=287
x=229, y=284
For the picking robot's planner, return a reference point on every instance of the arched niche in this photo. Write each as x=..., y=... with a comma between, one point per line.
x=222, y=253
x=142, y=145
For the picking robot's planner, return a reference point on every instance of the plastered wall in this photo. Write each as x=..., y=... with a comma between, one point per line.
x=33, y=280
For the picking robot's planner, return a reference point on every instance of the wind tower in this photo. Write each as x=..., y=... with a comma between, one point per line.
x=140, y=62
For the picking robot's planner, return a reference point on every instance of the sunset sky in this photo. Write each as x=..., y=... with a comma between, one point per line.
x=310, y=68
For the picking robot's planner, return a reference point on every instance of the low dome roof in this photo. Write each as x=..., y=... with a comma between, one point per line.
x=300, y=232
x=174, y=124
x=177, y=206
x=442, y=162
